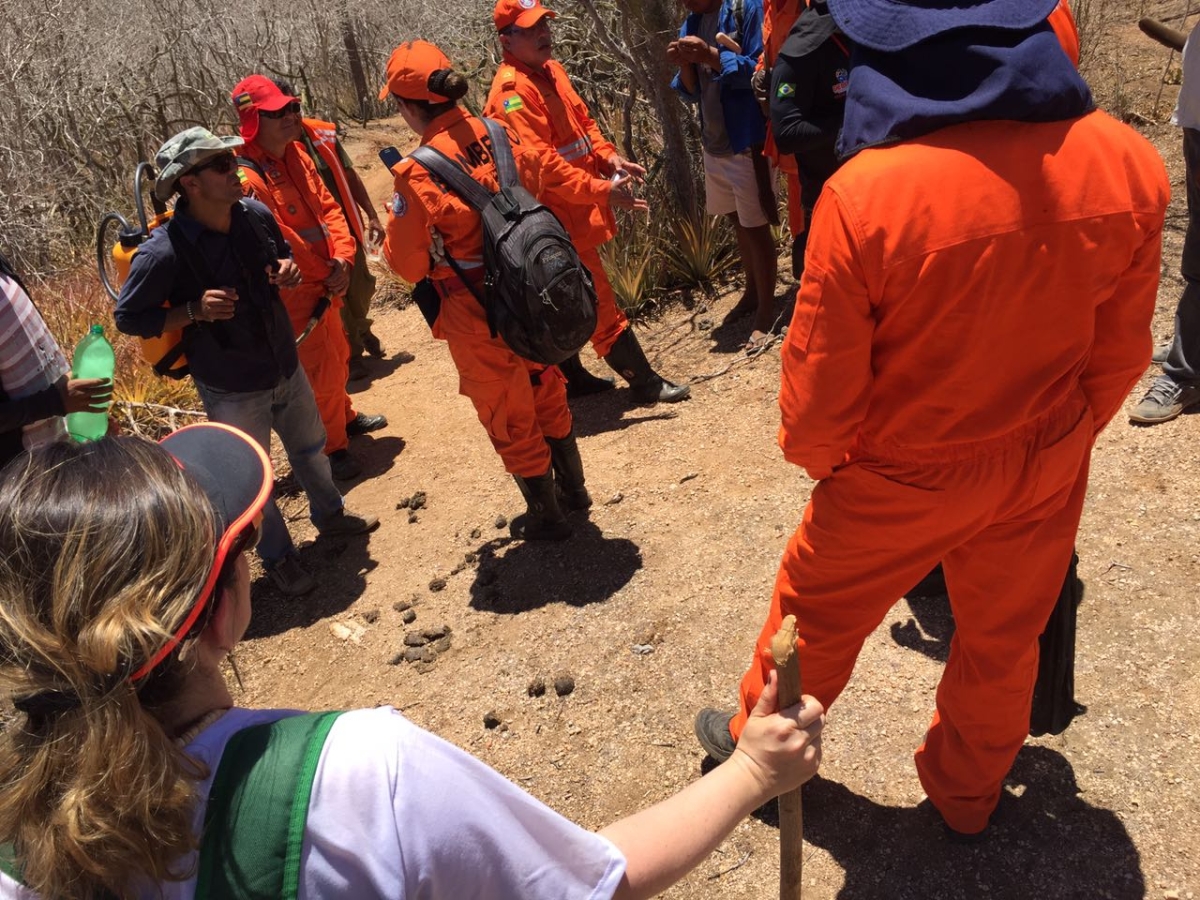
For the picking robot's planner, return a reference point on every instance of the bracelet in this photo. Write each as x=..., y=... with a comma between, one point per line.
x=191, y=312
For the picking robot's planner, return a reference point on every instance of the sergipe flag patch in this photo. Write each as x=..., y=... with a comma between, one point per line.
x=512, y=104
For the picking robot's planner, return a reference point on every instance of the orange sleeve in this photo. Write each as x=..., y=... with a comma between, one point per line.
x=1122, y=343
x=341, y=240
x=1065, y=29
x=407, y=241
x=826, y=356
x=601, y=146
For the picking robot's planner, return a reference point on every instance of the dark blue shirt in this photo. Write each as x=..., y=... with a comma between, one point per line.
x=252, y=351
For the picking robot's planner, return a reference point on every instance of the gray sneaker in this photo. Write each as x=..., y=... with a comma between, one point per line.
x=712, y=730
x=290, y=578
x=1165, y=400
x=1160, y=354
x=345, y=522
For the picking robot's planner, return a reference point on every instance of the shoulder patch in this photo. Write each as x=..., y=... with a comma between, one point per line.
x=785, y=90
x=512, y=104
x=399, y=204
x=507, y=77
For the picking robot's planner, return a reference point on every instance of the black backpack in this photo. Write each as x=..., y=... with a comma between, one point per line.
x=538, y=295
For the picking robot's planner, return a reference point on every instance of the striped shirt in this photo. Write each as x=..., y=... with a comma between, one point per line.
x=30, y=360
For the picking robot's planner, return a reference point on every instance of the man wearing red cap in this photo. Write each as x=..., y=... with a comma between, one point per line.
x=533, y=96
x=278, y=172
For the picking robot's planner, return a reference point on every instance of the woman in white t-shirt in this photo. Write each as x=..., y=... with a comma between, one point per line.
x=123, y=585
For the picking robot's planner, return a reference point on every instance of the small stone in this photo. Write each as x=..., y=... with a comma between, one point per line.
x=434, y=632
x=371, y=616
x=476, y=533
x=642, y=649
x=408, y=616
x=564, y=684
x=415, y=639
x=412, y=518
x=537, y=687
x=1172, y=894
x=458, y=568
x=441, y=645
x=417, y=500
x=491, y=721
x=573, y=729
x=501, y=522
x=413, y=654
x=704, y=323
x=614, y=499
x=396, y=659
x=689, y=476
x=340, y=631
x=428, y=655
x=401, y=605
x=403, y=504
x=469, y=558
x=437, y=584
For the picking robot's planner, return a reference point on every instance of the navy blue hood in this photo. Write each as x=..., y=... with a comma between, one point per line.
x=965, y=75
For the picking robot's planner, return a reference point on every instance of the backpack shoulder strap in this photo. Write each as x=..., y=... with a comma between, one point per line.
x=467, y=188
x=257, y=809
x=506, y=166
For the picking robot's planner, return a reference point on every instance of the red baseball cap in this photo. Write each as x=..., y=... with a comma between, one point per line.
x=409, y=70
x=522, y=13
x=255, y=93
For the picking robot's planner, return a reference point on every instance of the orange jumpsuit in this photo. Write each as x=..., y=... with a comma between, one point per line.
x=778, y=18
x=1063, y=23
x=975, y=308
x=313, y=223
x=543, y=108
x=520, y=403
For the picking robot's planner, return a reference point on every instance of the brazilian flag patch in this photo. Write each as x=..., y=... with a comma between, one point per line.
x=785, y=90
x=512, y=104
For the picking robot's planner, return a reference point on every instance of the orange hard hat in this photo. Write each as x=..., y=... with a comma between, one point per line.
x=410, y=69
x=522, y=13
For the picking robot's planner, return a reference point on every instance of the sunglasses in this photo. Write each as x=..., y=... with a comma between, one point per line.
x=292, y=108
x=222, y=165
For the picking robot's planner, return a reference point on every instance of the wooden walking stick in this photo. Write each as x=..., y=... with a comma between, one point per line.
x=791, y=813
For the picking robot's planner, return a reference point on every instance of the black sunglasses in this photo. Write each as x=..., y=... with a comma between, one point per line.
x=222, y=165
x=292, y=108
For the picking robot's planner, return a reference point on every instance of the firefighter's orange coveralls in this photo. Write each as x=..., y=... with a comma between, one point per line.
x=975, y=307
x=778, y=18
x=313, y=223
x=543, y=109
x=1063, y=23
x=519, y=402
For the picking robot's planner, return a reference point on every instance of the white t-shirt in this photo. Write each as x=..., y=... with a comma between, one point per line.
x=1187, y=106
x=399, y=813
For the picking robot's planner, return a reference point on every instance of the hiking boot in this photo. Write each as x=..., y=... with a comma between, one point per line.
x=628, y=360
x=581, y=382
x=543, y=520
x=362, y=424
x=1165, y=400
x=345, y=522
x=289, y=577
x=712, y=730
x=371, y=344
x=343, y=465
x=568, y=472
x=1160, y=354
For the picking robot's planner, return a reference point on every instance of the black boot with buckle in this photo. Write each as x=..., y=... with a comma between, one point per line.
x=568, y=472
x=627, y=359
x=581, y=382
x=544, y=520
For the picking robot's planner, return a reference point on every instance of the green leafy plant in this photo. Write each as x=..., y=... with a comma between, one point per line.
x=703, y=251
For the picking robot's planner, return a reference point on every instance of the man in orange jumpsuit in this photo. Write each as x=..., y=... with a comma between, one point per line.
x=521, y=404
x=920, y=390
x=533, y=96
x=280, y=174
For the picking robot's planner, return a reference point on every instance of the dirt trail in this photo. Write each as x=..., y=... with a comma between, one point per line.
x=653, y=606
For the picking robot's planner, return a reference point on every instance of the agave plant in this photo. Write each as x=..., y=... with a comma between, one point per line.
x=704, y=251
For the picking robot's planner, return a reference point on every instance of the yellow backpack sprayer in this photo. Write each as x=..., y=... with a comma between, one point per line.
x=117, y=243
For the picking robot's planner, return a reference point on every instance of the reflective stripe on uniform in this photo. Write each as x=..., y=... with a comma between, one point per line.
x=575, y=149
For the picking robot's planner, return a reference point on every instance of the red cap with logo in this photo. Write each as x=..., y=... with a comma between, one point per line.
x=409, y=70
x=255, y=93
x=522, y=13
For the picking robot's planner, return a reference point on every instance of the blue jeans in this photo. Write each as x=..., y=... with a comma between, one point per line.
x=289, y=409
x=1183, y=360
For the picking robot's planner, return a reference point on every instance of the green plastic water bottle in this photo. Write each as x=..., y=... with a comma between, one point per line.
x=94, y=358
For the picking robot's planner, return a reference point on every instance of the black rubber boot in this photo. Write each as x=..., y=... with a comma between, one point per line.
x=627, y=359
x=581, y=382
x=568, y=472
x=544, y=520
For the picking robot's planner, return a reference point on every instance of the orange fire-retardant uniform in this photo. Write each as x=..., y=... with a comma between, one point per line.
x=975, y=307
x=1063, y=23
x=313, y=223
x=778, y=18
x=543, y=108
x=520, y=403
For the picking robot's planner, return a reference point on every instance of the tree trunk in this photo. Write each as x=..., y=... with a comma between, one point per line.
x=361, y=96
